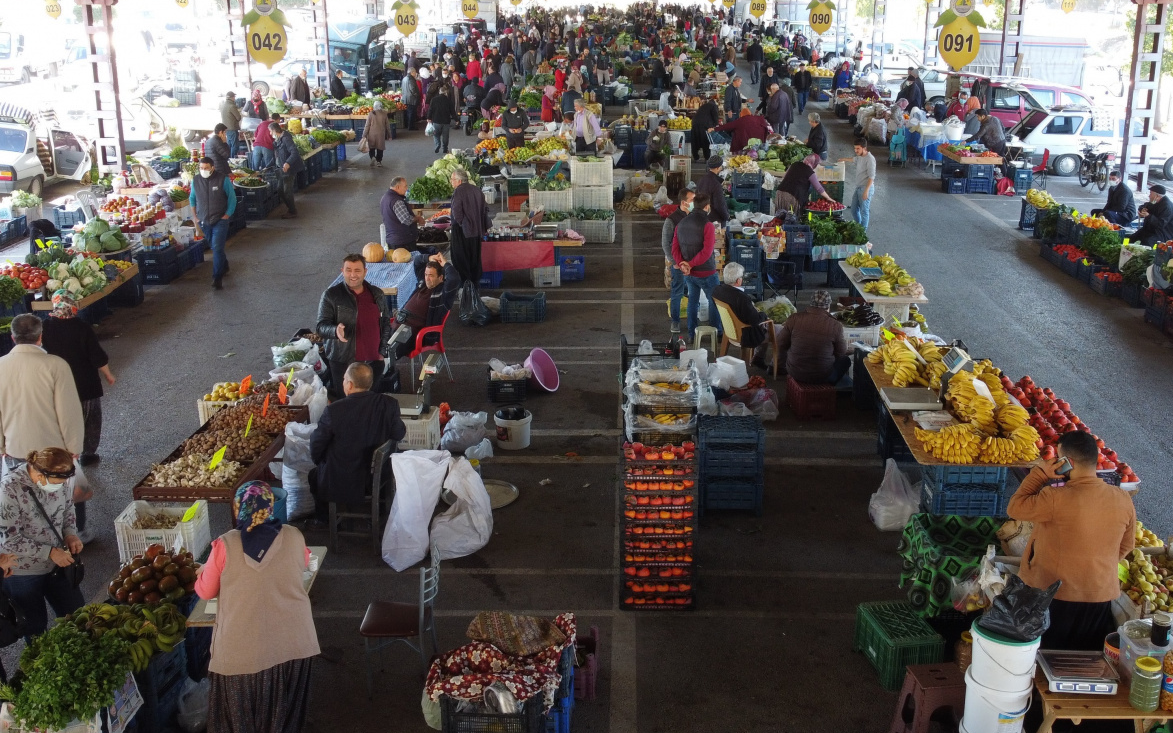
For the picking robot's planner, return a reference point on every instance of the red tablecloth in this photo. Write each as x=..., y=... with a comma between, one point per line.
x=517, y=255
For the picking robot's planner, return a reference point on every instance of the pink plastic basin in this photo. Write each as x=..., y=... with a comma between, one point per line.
x=545, y=371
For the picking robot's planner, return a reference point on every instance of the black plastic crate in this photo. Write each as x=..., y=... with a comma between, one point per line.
x=1084, y=273
x=506, y=390
x=1028, y=216
x=13, y=229
x=731, y=463
x=890, y=444
x=729, y=432
x=65, y=218
x=530, y=719
x=731, y=494
x=1103, y=286
x=1130, y=294
x=162, y=671
x=798, y=239
x=978, y=170
x=863, y=389
x=953, y=185
x=198, y=646
x=629, y=351
x=1155, y=316
x=190, y=257
x=157, y=256
x=836, y=277
x=160, y=274
x=128, y=294
x=747, y=253
x=529, y=308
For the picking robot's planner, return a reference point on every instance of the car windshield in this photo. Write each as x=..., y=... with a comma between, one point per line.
x=5, y=45
x=13, y=139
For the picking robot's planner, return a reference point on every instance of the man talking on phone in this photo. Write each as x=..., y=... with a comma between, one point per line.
x=1082, y=530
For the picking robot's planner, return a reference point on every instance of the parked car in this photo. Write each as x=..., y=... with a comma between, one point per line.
x=143, y=128
x=1064, y=131
x=36, y=152
x=1010, y=98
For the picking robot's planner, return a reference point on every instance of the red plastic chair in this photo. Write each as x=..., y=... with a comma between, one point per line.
x=1039, y=172
x=421, y=348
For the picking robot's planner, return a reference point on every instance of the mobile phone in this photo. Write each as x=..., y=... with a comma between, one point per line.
x=1064, y=467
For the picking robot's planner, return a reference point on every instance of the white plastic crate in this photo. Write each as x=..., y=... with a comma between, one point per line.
x=551, y=200
x=837, y=172
x=423, y=433
x=547, y=277
x=196, y=532
x=490, y=194
x=869, y=335
x=592, y=174
x=593, y=197
x=596, y=232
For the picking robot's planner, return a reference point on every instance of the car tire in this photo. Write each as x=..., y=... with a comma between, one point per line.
x=933, y=101
x=25, y=77
x=1167, y=170
x=262, y=87
x=1065, y=165
x=37, y=185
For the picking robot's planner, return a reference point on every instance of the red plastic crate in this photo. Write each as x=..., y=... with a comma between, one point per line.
x=517, y=200
x=811, y=401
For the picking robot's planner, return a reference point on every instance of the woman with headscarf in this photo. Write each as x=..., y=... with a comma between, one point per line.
x=377, y=131
x=548, y=95
x=260, y=681
x=842, y=78
x=256, y=107
x=800, y=178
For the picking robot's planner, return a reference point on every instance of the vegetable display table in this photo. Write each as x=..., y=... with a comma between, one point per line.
x=203, y=617
x=522, y=254
x=884, y=305
x=970, y=159
x=124, y=277
x=1077, y=708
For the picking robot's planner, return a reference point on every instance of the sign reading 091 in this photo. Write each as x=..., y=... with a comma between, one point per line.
x=958, y=40
x=265, y=24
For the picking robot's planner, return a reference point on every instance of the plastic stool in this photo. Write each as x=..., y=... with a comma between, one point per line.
x=811, y=401
x=703, y=331
x=927, y=689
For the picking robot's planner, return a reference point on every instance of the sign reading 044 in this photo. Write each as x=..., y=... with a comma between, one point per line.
x=265, y=32
x=406, y=16
x=757, y=8
x=958, y=40
x=822, y=13
x=470, y=8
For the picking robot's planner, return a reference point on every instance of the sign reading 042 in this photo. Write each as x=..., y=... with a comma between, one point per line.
x=822, y=13
x=757, y=8
x=958, y=41
x=406, y=16
x=265, y=32
x=470, y=8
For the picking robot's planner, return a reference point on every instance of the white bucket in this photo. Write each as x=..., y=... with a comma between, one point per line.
x=513, y=434
x=1000, y=663
x=993, y=711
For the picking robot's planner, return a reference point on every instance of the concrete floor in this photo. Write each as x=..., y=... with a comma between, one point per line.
x=768, y=647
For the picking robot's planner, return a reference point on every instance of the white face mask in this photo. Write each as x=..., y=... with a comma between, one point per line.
x=205, y=173
x=51, y=487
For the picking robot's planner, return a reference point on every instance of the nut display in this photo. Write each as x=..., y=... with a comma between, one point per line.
x=193, y=471
x=239, y=448
x=155, y=521
x=236, y=418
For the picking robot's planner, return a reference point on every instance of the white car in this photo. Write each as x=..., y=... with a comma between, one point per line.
x=34, y=154
x=1064, y=131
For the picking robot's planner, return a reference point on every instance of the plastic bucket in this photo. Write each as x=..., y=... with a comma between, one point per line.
x=1000, y=663
x=512, y=434
x=993, y=711
x=543, y=369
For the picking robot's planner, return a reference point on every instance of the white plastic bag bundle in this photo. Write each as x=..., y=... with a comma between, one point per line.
x=699, y=359
x=706, y=402
x=193, y=705
x=297, y=446
x=463, y=431
x=894, y=502
x=299, y=500
x=467, y=525
x=661, y=197
x=302, y=372
x=294, y=351
x=419, y=477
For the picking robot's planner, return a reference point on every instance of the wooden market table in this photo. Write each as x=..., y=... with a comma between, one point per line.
x=201, y=617
x=1077, y=708
x=884, y=305
x=124, y=277
x=969, y=159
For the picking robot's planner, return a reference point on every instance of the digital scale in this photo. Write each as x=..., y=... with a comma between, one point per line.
x=546, y=232
x=415, y=405
x=1079, y=673
x=899, y=399
x=867, y=274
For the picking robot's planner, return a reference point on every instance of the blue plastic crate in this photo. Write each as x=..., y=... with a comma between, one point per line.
x=890, y=444
x=572, y=267
x=523, y=308
x=65, y=218
x=491, y=280
x=979, y=185
x=157, y=256
x=13, y=229
x=1155, y=316
x=1023, y=180
x=161, y=673
x=340, y=151
x=978, y=170
x=798, y=239
x=558, y=719
x=836, y=277
x=742, y=432
x=953, y=185
x=160, y=274
x=950, y=475
x=746, y=252
x=753, y=286
x=731, y=494
x=747, y=193
x=639, y=157
x=731, y=463
x=964, y=500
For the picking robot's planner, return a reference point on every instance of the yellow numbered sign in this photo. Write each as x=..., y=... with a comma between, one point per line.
x=757, y=8
x=406, y=19
x=821, y=15
x=958, y=40
x=729, y=3
x=470, y=8
x=265, y=33
x=1068, y=5
x=182, y=3
x=515, y=2
x=53, y=9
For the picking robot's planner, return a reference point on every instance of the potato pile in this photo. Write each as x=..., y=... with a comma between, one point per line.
x=236, y=418
x=193, y=471
x=240, y=448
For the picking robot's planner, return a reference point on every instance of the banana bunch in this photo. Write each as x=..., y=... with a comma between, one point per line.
x=916, y=317
x=677, y=419
x=1026, y=443
x=969, y=406
x=878, y=287
x=1039, y=199
x=149, y=629
x=998, y=450
x=1011, y=417
x=738, y=160
x=862, y=259
x=674, y=386
x=899, y=362
x=955, y=443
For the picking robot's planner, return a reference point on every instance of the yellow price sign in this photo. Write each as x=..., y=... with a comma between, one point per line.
x=470, y=8
x=267, y=43
x=820, y=19
x=406, y=20
x=249, y=427
x=1067, y=5
x=53, y=9
x=219, y=456
x=757, y=8
x=182, y=3
x=958, y=43
x=729, y=3
x=190, y=514
x=515, y=2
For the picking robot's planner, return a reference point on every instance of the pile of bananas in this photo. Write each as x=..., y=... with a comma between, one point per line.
x=971, y=407
x=915, y=317
x=672, y=419
x=674, y=386
x=1008, y=438
x=148, y=629
x=739, y=160
x=903, y=366
x=956, y=443
x=632, y=203
x=680, y=123
x=1040, y=199
x=878, y=287
x=895, y=281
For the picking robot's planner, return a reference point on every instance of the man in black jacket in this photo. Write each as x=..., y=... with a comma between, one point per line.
x=658, y=74
x=754, y=335
x=706, y=117
x=442, y=115
x=755, y=55
x=802, y=86
x=711, y=185
x=429, y=304
x=733, y=99
x=290, y=163
x=1157, y=215
x=347, y=435
x=337, y=88
x=1121, y=208
x=354, y=322
x=514, y=121
x=767, y=79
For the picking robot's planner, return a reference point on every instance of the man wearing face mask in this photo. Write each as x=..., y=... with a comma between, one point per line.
x=676, y=288
x=214, y=199
x=1157, y=215
x=1120, y=208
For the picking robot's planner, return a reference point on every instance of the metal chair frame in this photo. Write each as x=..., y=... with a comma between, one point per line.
x=428, y=590
x=380, y=460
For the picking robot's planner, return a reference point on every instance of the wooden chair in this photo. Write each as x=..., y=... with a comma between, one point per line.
x=380, y=467
x=730, y=324
x=387, y=622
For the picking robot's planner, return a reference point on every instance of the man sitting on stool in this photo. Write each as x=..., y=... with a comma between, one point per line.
x=427, y=306
x=347, y=435
x=729, y=292
x=1120, y=207
x=811, y=344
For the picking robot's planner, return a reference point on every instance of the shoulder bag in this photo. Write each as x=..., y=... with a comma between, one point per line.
x=74, y=573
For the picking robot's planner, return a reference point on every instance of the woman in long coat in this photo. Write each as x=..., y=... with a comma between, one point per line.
x=377, y=131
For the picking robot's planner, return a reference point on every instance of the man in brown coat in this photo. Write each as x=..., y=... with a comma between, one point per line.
x=1081, y=532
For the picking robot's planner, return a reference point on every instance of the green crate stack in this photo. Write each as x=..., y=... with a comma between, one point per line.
x=892, y=636
x=518, y=186
x=937, y=548
x=834, y=189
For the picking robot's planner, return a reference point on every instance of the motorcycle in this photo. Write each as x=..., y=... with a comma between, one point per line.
x=470, y=117
x=1094, y=165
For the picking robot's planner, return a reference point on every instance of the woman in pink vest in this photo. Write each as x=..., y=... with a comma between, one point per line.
x=255, y=571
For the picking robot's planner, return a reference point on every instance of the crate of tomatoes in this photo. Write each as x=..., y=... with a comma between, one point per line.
x=31, y=277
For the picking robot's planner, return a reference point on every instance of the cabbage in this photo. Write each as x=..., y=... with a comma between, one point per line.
x=53, y=285
x=94, y=244
x=96, y=227
x=110, y=242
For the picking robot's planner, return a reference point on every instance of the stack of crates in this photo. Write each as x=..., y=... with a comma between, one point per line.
x=747, y=251
x=161, y=685
x=893, y=636
x=732, y=451
x=979, y=178
x=747, y=189
x=571, y=264
x=158, y=265
x=889, y=442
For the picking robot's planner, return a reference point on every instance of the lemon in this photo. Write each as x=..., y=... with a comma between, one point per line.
x=267, y=43
x=958, y=43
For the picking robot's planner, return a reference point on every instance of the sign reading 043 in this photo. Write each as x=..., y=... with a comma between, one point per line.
x=406, y=16
x=470, y=8
x=822, y=13
x=757, y=8
x=958, y=40
x=265, y=32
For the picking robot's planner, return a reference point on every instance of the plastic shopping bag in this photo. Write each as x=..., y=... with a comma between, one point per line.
x=894, y=502
x=297, y=446
x=464, y=430
x=728, y=373
x=468, y=524
x=302, y=372
x=193, y=705
x=1020, y=612
x=419, y=476
x=471, y=309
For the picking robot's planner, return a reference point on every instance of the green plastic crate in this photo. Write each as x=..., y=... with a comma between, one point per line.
x=892, y=636
x=518, y=186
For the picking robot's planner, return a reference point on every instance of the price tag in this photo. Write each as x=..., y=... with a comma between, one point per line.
x=289, y=379
x=808, y=216
x=958, y=42
x=886, y=334
x=250, y=421
x=264, y=407
x=406, y=19
x=470, y=8
x=1125, y=244
x=267, y=42
x=282, y=394
x=191, y=512
x=757, y=8
x=219, y=456
x=245, y=384
x=53, y=9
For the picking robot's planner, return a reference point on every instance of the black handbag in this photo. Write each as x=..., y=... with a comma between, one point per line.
x=75, y=573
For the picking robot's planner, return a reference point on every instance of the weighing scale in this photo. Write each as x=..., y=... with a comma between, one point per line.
x=1080, y=673
x=546, y=232
x=923, y=398
x=415, y=405
x=867, y=274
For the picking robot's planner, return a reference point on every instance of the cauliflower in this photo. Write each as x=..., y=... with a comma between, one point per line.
x=73, y=285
